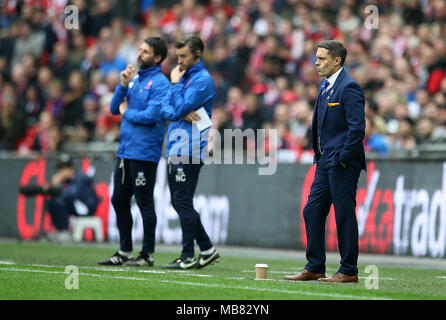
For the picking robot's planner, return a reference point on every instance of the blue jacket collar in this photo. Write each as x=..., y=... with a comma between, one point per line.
x=149, y=71
x=195, y=68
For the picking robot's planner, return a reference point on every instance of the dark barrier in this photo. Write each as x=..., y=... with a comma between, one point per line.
x=401, y=206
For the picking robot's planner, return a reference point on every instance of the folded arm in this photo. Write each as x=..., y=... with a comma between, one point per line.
x=178, y=103
x=118, y=97
x=151, y=113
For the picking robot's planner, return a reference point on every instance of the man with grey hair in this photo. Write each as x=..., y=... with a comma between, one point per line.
x=338, y=132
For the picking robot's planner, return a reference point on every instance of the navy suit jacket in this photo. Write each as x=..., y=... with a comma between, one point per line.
x=341, y=122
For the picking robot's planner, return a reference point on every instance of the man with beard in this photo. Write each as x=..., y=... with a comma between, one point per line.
x=138, y=99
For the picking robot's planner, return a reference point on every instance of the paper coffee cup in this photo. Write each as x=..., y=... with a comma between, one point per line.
x=261, y=271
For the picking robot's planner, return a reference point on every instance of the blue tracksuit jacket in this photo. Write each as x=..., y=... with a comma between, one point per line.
x=196, y=89
x=142, y=128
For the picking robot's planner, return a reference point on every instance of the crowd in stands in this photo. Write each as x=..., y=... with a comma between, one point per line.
x=56, y=81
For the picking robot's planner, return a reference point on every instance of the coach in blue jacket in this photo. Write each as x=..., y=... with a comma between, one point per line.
x=338, y=132
x=192, y=88
x=138, y=98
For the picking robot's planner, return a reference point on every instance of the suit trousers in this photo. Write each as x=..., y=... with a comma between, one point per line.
x=133, y=177
x=332, y=185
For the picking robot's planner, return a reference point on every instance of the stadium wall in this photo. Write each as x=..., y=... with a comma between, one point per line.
x=401, y=205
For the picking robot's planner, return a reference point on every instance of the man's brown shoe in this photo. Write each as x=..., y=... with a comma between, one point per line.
x=305, y=275
x=339, y=277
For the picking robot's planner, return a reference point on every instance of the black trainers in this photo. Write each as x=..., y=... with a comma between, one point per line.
x=143, y=260
x=207, y=259
x=181, y=263
x=115, y=260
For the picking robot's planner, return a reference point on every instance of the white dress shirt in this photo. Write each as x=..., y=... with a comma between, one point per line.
x=332, y=78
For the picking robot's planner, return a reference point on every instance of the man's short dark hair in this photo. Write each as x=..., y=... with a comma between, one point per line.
x=159, y=47
x=335, y=49
x=193, y=42
x=64, y=161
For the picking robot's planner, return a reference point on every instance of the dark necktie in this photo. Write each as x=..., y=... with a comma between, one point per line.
x=324, y=88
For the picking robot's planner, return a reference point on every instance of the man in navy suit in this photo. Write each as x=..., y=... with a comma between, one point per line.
x=338, y=132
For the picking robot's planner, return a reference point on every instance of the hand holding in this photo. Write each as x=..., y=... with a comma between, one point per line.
x=192, y=116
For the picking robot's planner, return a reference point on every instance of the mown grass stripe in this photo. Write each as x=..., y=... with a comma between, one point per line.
x=209, y=285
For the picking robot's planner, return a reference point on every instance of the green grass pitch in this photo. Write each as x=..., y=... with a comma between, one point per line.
x=37, y=271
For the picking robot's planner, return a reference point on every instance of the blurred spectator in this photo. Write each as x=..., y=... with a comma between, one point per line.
x=20, y=80
x=48, y=138
x=77, y=49
x=256, y=50
x=72, y=100
x=91, y=61
x=110, y=60
x=252, y=115
x=12, y=123
x=221, y=120
x=76, y=196
x=267, y=21
x=28, y=42
x=425, y=128
x=406, y=136
x=235, y=105
x=107, y=124
x=129, y=9
x=196, y=20
x=90, y=113
x=100, y=16
x=412, y=12
x=30, y=100
x=59, y=61
x=286, y=138
x=300, y=123
x=216, y=5
x=373, y=140
x=129, y=47
x=33, y=104
x=221, y=87
x=226, y=65
x=347, y=21
x=54, y=104
x=44, y=77
x=281, y=114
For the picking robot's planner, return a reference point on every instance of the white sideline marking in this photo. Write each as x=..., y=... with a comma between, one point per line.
x=126, y=269
x=278, y=272
x=209, y=285
x=377, y=278
x=271, y=271
x=184, y=272
x=295, y=272
x=235, y=278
